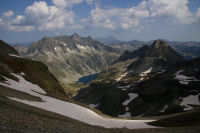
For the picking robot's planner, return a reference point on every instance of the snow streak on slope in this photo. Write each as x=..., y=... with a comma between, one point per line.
x=184, y=79
x=127, y=114
x=69, y=109
x=123, y=75
x=143, y=74
x=14, y=55
x=190, y=100
x=131, y=97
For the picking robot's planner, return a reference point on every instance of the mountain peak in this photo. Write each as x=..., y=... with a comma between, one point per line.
x=75, y=36
x=159, y=44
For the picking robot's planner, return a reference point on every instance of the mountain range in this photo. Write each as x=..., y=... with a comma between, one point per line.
x=153, y=80
x=189, y=50
x=70, y=57
x=153, y=85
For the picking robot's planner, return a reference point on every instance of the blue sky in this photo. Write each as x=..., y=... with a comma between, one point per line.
x=30, y=20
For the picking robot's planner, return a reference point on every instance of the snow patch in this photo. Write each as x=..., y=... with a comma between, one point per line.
x=81, y=47
x=94, y=105
x=125, y=115
x=131, y=97
x=22, y=74
x=70, y=51
x=127, y=108
x=184, y=79
x=164, y=108
x=62, y=43
x=190, y=100
x=23, y=85
x=13, y=55
x=70, y=109
x=143, y=74
x=123, y=75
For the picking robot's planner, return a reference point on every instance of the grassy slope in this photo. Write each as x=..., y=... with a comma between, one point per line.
x=35, y=71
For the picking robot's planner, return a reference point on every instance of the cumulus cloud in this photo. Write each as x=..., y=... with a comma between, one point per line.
x=129, y=18
x=117, y=17
x=60, y=15
x=8, y=14
x=9, y=22
x=66, y=3
x=175, y=9
x=38, y=10
x=42, y=17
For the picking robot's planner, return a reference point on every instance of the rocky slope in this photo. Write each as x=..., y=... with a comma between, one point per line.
x=70, y=57
x=189, y=50
x=26, y=84
x=157, y=55
x=33, y=71
x=21, y=49
x=160, y=86
x=30, y=94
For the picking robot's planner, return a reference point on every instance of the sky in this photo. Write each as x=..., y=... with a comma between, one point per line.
x=30, y=20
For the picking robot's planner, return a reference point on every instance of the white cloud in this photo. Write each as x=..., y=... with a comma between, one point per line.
x=129, y=18
x=60, y=15
x=117, y=17
x=38, y=10
x=19, y=20
x=66, y=3
x=40, y=16
x=8, y=22
x=8, y=14
x=175, y=9
x=20, y=28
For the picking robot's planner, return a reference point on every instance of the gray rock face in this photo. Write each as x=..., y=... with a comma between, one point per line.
x=158, y=55
x=70, y=57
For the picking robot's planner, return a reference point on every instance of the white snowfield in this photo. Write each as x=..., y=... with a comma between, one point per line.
x=127, y=114
x=123, y=75
x=69, y=109
x=13, y=55
x=132, y=96
x=184, y=79
x=190, y=100
x=145, y=73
